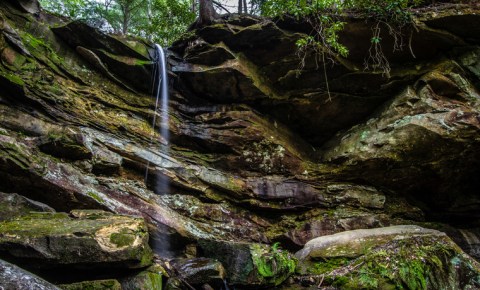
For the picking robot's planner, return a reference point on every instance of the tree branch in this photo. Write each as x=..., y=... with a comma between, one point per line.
x=221, y=6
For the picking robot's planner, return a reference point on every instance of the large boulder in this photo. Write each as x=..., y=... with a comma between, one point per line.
x=351, y=244
x=82, y=239
x=388, y=258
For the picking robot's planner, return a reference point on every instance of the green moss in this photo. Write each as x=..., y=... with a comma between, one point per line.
x=328, y=265
x=123, y=238
x=151, y=278
x=95, y=196
x=416, y=263
x=16, y=154
x=13, y=78
x=93, y=285
x=272, y=264
x=43, y=52
x=33, y=41
x=142, y=62
x=56, y=136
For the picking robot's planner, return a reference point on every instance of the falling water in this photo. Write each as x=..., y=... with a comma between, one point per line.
x=160, y=92
x=162, y=182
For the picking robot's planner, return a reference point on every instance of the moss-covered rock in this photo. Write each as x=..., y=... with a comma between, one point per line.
x=351, y=244
x=151, y=278
x=400, y=258
x=58, y=240
x=422, y=262
x=251, y=264
x=119, y=54
x=66, y=144
x=93, y=285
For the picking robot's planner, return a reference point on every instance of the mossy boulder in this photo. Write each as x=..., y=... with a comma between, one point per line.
x=351, y=244
x=151, y=278
x=251, y=264
x=399, y=257
x=93, y=285
x=420, y=262
x=94, y=239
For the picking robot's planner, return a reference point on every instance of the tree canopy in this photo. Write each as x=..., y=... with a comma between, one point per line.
x=161, y=21
x=164, y=21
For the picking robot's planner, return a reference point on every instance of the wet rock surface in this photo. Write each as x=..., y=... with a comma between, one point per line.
x=199, y=271
x=12, y=277
x=259, y=152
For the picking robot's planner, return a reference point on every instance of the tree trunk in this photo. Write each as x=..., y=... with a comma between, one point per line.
x=245, y=6
x=194, y=6
x=126, y=21
x=207, y=13
x=240, y=6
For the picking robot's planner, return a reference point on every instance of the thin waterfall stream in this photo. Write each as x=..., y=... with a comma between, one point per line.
x=160, y=92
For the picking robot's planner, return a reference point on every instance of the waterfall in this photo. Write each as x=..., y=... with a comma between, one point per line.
x=160, y=92
x=162, y=184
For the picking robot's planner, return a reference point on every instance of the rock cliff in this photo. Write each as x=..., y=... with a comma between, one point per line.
x=261, y=152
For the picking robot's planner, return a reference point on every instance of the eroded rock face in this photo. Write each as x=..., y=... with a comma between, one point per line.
x=383, y=123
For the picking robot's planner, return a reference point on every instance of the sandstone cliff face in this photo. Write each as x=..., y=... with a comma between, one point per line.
x=260, y=152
